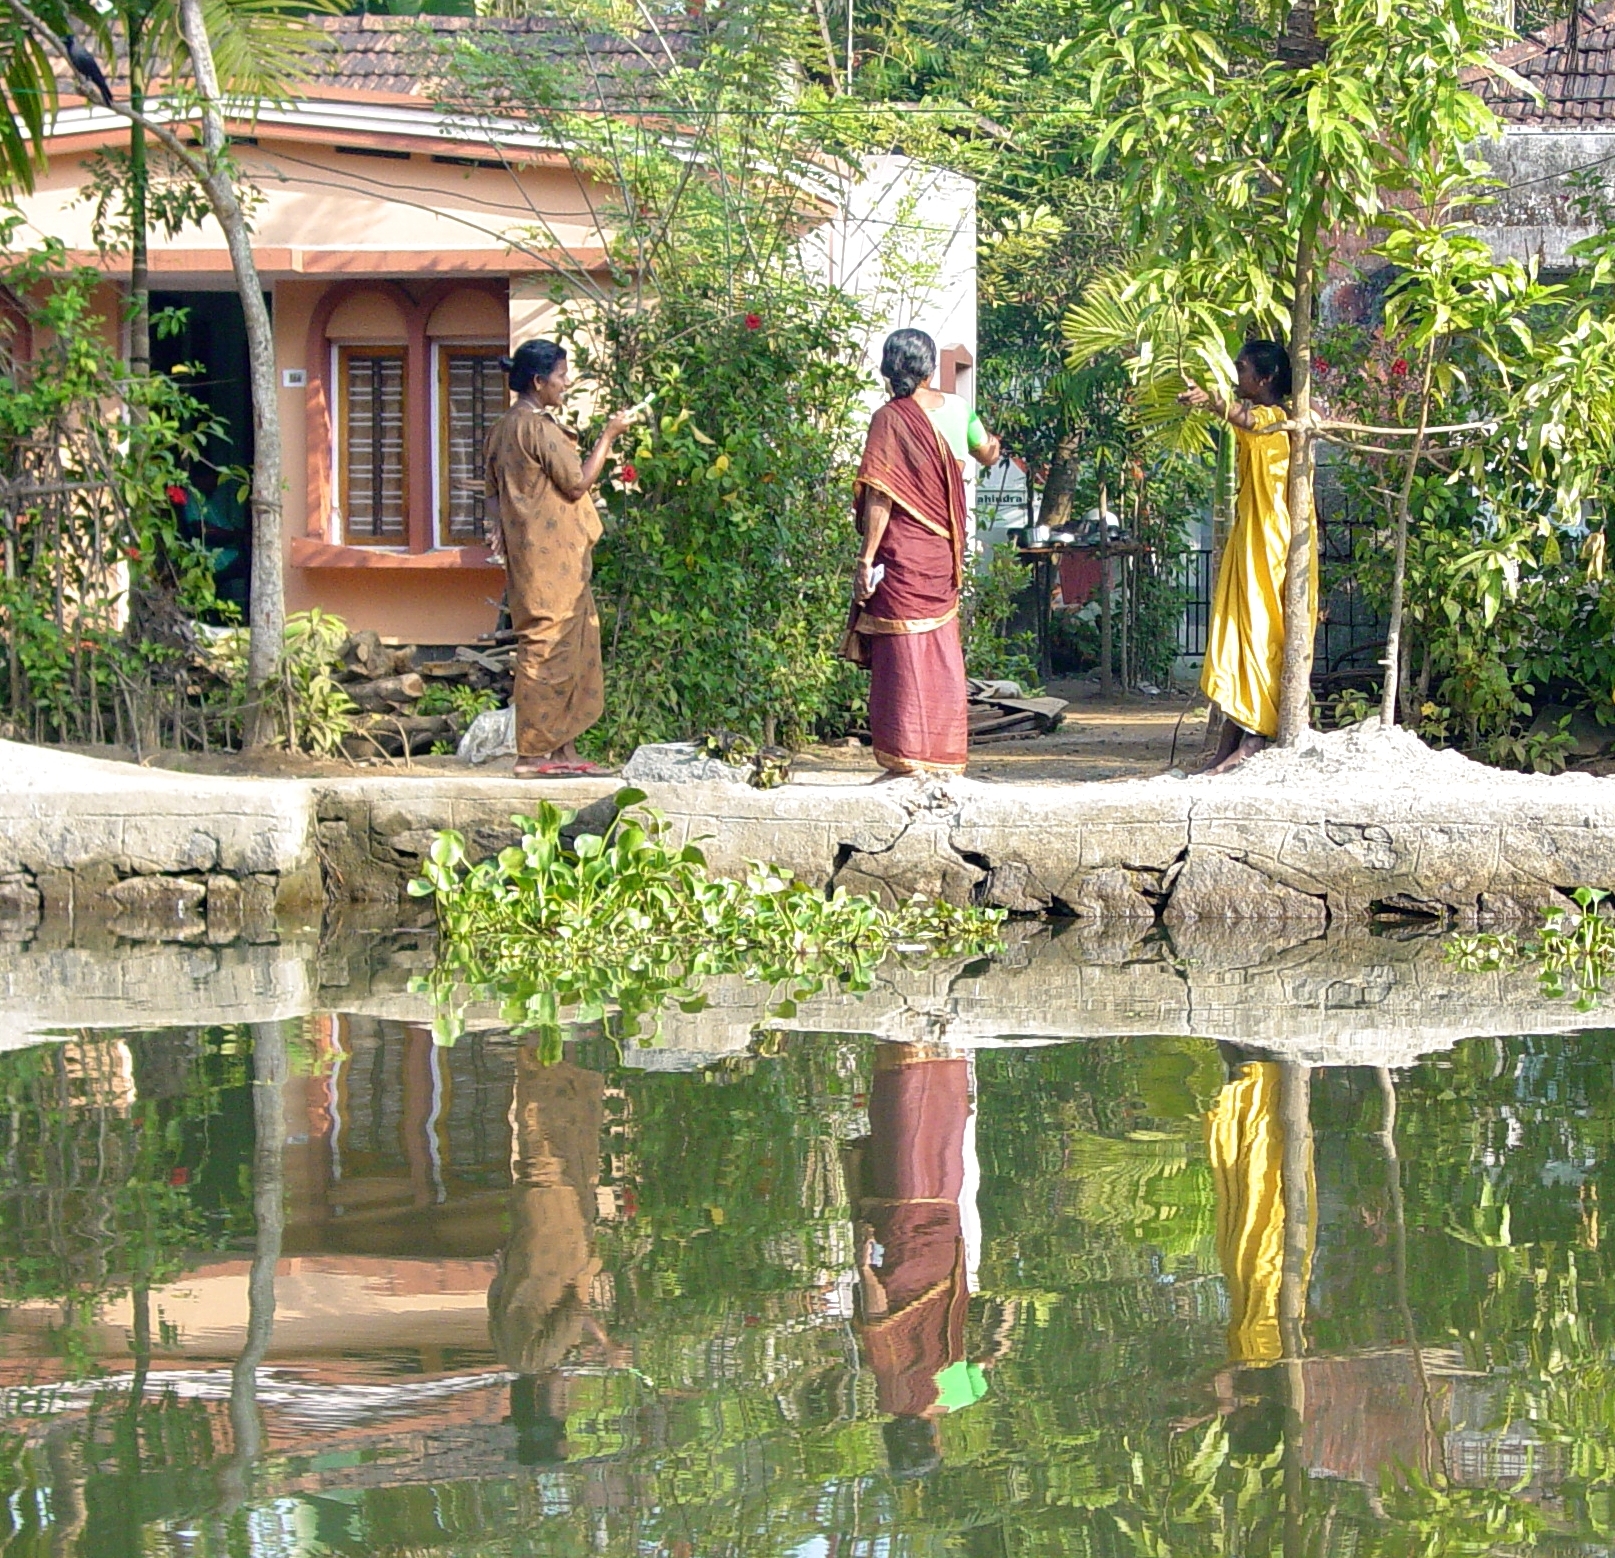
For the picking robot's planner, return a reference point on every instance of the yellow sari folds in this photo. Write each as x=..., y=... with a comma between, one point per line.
x=1245, y=642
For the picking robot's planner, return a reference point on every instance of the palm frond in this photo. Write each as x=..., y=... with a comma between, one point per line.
x=27, y=100
x=262, y=49
x=1164, y=345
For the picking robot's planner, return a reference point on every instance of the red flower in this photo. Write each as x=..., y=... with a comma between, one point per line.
x=630, y=472
x=1400, y=367
x=1321, y=364
x=132, y=553
x=754, y=321
x=179, y=1176
x=176, y=495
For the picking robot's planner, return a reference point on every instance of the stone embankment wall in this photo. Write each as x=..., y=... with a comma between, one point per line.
x=1341, y=999
x=1358, y=825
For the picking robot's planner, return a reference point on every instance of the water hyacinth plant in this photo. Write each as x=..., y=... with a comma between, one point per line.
x=1574, y=951
x=621, y=921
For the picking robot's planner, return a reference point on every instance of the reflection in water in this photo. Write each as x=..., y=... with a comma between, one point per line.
x=322, y=1289
x=919, y=1241
x=539, y=1304
x=1246, y=1146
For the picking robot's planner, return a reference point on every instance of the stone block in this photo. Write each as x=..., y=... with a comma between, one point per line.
x=1013, y=886
x=1215, y=886
x=224, y=909
x=922, y=860
x=258, y=909
x=680, y=762
x=56, y=896
x=154, y=845
x=20, y=907
x=1111, y=893
x=1556, y=852
x=159, y=908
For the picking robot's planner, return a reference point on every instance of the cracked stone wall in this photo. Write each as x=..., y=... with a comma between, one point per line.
x=1355, y=828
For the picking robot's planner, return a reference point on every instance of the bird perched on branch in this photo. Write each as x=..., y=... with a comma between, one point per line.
x=85, y=67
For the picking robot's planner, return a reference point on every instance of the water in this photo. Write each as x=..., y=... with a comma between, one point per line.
x=318, y=1286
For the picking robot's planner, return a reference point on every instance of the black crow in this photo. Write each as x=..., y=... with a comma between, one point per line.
x=85, y=68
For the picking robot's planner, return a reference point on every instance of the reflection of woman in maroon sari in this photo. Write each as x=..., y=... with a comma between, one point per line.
x=913, y=1262
x=911, y=512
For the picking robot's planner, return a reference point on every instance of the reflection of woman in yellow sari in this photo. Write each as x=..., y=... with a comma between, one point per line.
x=1245, y=1142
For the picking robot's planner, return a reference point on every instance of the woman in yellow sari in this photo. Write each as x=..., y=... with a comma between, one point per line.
x=1245, y=642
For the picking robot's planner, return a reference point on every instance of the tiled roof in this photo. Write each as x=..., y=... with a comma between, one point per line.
x=394, y=54
x=1572, y=64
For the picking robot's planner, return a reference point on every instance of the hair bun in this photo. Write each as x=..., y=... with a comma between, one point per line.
x=507, y=363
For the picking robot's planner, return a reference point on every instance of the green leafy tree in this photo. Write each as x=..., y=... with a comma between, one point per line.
x=723, y=575
x=1246, y=148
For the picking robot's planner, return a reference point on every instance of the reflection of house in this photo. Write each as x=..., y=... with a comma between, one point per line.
x=398, y=248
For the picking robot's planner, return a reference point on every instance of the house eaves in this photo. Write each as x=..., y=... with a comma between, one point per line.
x=355, y=118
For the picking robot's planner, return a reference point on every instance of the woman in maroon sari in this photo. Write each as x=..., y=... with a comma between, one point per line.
x=910, y=498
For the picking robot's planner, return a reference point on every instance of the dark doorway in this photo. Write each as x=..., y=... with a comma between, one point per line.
x=212, y=341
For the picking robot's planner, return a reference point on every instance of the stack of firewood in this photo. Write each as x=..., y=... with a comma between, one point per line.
x=388, y=683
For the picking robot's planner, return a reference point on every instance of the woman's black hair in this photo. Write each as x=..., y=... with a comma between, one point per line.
x=531, y=361
x=1271, y=364
x=907, y=361
x=912, y=1447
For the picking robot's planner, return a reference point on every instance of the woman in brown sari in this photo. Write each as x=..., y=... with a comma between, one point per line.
x=545, y=523
x=910, y=497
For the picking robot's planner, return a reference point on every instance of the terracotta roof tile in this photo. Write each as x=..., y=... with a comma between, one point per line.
x=1572, y=63
x=394, y=54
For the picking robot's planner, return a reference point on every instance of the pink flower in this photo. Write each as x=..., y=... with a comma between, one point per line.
x=754, y=321
x=1400, y=367
x=630, y=472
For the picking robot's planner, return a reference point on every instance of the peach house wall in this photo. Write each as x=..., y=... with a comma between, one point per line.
x=373, y=223
x=427, y=605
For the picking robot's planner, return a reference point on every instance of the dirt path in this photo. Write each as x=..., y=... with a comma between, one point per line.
x=1115, y=738
x=1102, y=738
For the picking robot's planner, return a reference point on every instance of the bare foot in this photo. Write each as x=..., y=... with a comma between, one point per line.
x=1249, y=746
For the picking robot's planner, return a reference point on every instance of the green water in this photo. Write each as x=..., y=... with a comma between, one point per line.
x=323, y=1288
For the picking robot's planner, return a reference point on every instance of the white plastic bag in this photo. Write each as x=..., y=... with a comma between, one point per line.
x=491, y=735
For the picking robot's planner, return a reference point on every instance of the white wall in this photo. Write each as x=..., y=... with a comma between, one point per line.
x=904, y=243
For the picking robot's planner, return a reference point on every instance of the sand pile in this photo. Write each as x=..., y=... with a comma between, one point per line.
x=1369, y=756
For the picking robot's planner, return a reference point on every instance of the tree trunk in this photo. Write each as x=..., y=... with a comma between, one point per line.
x=1295, y=1112
x=1395, y=656
x=267, y=616
x=1059, y=489
x=1296, y=684
x=269, y=1075
x=139, y=280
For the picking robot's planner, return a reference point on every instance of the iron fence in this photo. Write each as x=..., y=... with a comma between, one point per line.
x=1351, y=634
